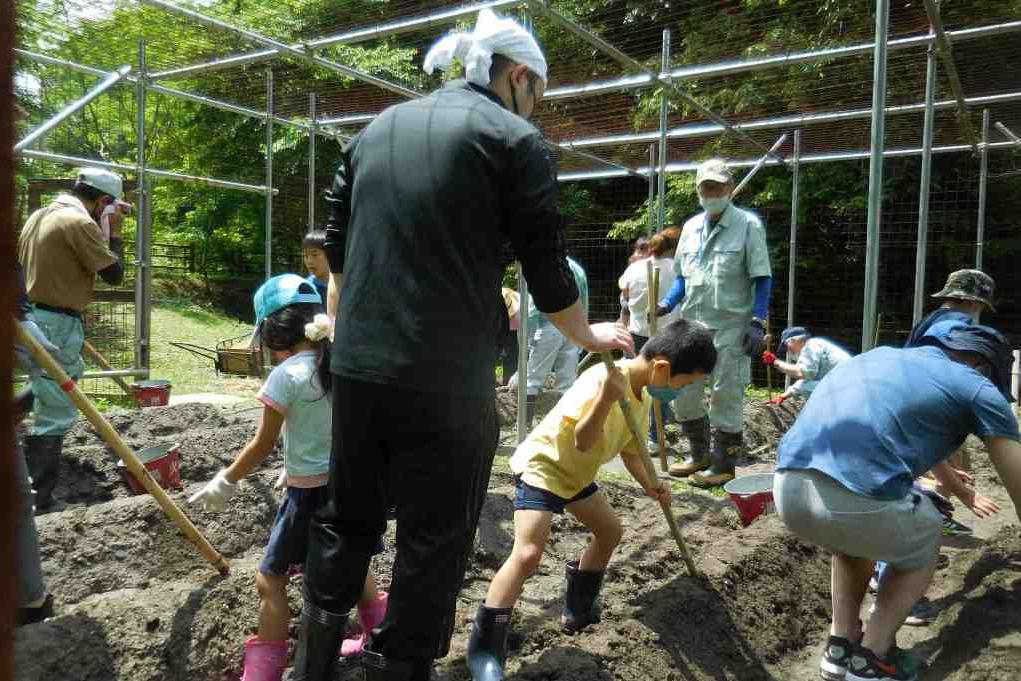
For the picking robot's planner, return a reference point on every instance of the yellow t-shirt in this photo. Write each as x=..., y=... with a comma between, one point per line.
x=549, y=460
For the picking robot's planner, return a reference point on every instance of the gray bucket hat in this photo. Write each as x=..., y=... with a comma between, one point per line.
x=969, y=285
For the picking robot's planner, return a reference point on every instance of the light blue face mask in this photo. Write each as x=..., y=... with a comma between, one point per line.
x=715, y=206
x=663, y=393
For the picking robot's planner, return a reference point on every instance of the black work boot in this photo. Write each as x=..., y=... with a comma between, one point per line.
x=487, y=647
x=42, y=454
x=697, y=431
x=581, y=605
x=726, y=448
x=530, y=403
x=380, y=668
x=318, y=643
x=37, y=614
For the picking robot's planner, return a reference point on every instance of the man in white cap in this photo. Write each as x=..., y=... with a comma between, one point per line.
x=423, y=206
x=62, y=248
x=723, y=280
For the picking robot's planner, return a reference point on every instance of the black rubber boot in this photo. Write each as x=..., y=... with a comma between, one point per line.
x=530, y=403
x=379, y=668
x=581, y=605
x=727, y=448
x=697, y=431
x=42, y=454
x=487, y=647
x=318, y=643
x=33, y=615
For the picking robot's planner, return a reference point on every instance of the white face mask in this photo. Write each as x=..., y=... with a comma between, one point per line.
x=715, y=206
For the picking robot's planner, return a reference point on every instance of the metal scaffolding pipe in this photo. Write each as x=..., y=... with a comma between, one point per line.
x=143, y=230
x=1007, y=132
x=107, y=83
x=875, y=198
x=653, y=179
x=923, y=189
x=758, y=166
x=440, y=18
x=152, y=172
x=312, y=162
x=830, y=157
x=792, y=255
x=268, y=249
x=664, y=112
x=983, y=183
x=695, y=130
x=352, y=119
x=567, y=146
x=946, y=53
x=522, y=356
x=301, y=52
x=731, y=67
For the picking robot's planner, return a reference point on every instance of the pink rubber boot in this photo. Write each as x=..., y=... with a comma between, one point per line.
x=264, y=660
x=369, y=618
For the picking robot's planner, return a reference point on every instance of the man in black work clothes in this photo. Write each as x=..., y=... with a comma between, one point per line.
x=424, y=202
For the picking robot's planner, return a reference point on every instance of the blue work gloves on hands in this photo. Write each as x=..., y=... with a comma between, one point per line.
x=753, y=342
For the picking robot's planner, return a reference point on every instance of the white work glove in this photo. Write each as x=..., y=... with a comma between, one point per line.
x=217, y=492
x=281, y=482
x=25, y=361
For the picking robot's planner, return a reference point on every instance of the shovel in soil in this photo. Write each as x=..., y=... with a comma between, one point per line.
x=106, y=431
x=650, y=470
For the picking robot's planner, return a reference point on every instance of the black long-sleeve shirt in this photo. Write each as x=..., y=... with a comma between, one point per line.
x=422, y=206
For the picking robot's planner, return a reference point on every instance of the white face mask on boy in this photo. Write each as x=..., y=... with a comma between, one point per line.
x=714, y=206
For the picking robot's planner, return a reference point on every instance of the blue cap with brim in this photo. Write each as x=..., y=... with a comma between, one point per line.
x=985, y=341
x=281, y=291
x=792, y=332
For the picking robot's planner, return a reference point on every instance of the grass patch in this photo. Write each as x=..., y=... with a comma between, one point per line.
x=188, y=372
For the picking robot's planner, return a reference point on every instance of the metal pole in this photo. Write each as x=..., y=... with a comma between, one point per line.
x=1008, y=133
x=758, y=166
x=792, y=259
x=664, y=111
x=983, y=181
x=923, y=189
x=942, y=43
x=312, y=162
x=875, y=176
x=269, y=173
x=71, y=108
x=522, y=356
x=652, y=188
x=568, y=147
x=143, y=247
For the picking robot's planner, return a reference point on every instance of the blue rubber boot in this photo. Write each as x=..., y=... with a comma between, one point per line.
x=487, y=647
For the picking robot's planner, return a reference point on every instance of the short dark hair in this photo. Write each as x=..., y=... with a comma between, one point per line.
x=502, y=65
x=285, y=328
x=87, y=192
x=688, y=346
x=315, y=239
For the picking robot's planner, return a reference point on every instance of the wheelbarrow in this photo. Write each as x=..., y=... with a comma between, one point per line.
x=230, y=356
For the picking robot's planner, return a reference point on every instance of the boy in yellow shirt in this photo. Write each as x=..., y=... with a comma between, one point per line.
x=556, y=468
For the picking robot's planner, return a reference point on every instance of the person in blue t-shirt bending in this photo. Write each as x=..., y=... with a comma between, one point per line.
x=845, y=473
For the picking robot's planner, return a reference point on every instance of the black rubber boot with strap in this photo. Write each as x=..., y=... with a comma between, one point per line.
x=727, y=447
x=318, y=643
x=697, y=431
x=487, y=646
x=581, y=604
x=42, y=454
x=377, y=667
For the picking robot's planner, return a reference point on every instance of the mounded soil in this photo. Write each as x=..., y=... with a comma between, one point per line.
x=136, y=601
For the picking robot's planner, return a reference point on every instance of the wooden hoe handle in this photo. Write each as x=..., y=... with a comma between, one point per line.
x=650, y=470
x=106, y=366
x=106, y=431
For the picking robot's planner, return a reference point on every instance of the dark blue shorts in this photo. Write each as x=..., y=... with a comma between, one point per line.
x=529, y=498
x=288, y=540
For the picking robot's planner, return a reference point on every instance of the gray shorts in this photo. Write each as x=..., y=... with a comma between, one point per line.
x=905, y=533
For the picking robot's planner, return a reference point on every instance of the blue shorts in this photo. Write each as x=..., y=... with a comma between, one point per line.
x=529, y=498
x=288, y=540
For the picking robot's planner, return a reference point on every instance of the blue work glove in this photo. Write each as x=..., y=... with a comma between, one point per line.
x=24, y=357
x=753, y=342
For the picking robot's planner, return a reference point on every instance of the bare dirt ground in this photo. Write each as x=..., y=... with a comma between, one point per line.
x=136, y=602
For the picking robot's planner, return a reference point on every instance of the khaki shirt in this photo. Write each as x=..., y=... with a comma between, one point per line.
x=61, y=249
x=718, y=263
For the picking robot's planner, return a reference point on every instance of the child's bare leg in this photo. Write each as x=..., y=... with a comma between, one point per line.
x=274, y=614
x=531, y=530
x=369, y=592
x=595, y=513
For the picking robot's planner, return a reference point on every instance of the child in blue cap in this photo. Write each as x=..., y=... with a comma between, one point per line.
x=296, y=401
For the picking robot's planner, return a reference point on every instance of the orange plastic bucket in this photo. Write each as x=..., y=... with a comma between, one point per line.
x=163, y=463
x=152, y=393
x=752, y=495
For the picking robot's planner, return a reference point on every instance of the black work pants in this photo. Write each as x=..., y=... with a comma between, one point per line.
x=432, y=453
x=508, y=350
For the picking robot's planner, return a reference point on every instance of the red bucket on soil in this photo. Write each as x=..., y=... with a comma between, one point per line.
x=752, y=495
x=163, y=463
x=152, y=393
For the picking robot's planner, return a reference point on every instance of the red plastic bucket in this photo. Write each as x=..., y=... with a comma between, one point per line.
x=752, y=495
x=152, y=393
x=163, y=463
